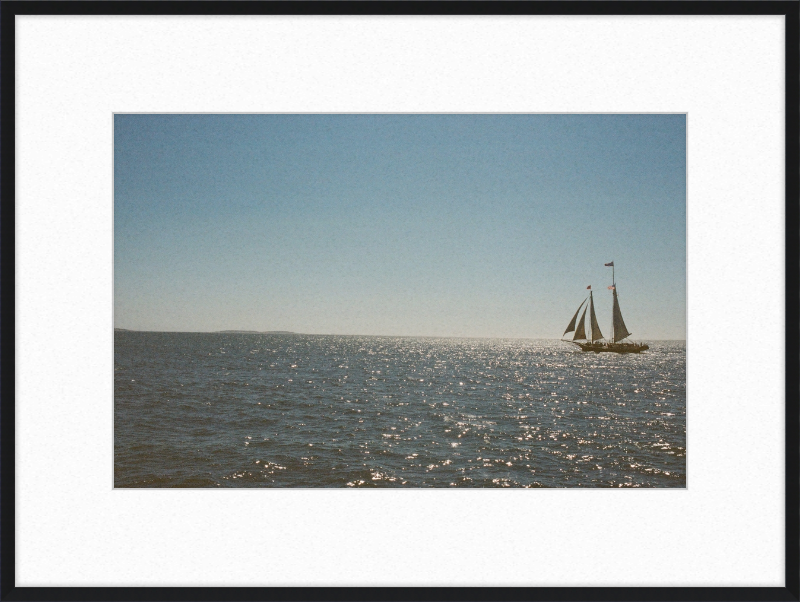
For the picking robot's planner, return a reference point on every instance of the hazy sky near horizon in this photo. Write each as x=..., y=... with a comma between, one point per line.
x=418, y=225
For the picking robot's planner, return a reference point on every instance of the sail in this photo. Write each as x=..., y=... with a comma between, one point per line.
x=596, y=334
x=620, y=332
x=571, y=326
x=581, y=332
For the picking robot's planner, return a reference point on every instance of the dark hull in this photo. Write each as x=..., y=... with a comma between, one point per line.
x=614, y=347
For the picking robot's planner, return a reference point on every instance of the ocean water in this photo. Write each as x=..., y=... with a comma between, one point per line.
x=252, y=410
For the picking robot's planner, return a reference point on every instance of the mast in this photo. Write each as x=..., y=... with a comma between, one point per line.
x=591, y=312
x=614, y=293
x=613, y=287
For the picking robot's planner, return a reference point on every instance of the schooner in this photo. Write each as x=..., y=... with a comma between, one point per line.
x=589, y=338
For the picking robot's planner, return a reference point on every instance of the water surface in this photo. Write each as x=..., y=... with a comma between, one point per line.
x=250, y=410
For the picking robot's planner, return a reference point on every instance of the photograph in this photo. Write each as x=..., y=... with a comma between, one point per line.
x=339, y=300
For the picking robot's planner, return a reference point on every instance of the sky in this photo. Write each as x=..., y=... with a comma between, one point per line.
x=403, y=225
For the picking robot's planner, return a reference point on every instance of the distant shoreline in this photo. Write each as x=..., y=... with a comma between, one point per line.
x=400, y=336
x=210, y=331
x=256, y=332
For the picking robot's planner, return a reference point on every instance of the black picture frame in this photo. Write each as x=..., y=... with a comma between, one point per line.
x=10, y=9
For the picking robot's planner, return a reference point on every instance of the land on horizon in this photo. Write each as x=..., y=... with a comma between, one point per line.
x=213, y=331
x=328, y=334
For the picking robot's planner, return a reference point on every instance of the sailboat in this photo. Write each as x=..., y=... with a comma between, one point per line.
x=591, y=339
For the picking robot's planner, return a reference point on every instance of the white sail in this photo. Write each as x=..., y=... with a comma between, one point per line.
x=580, y=333
x=620, y=332
x=571, y=326
x=596, y=334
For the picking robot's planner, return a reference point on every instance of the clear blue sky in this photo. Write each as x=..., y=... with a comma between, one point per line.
x=428, y=225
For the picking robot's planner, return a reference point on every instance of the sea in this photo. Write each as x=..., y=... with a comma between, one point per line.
x=292, y=410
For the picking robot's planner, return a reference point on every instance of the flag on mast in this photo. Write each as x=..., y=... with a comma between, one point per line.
x=588, y=288
x=610, y=265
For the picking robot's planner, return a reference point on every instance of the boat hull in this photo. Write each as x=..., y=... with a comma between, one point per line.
x=613, y=347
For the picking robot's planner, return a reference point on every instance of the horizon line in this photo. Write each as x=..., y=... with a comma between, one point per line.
x=402, y=336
